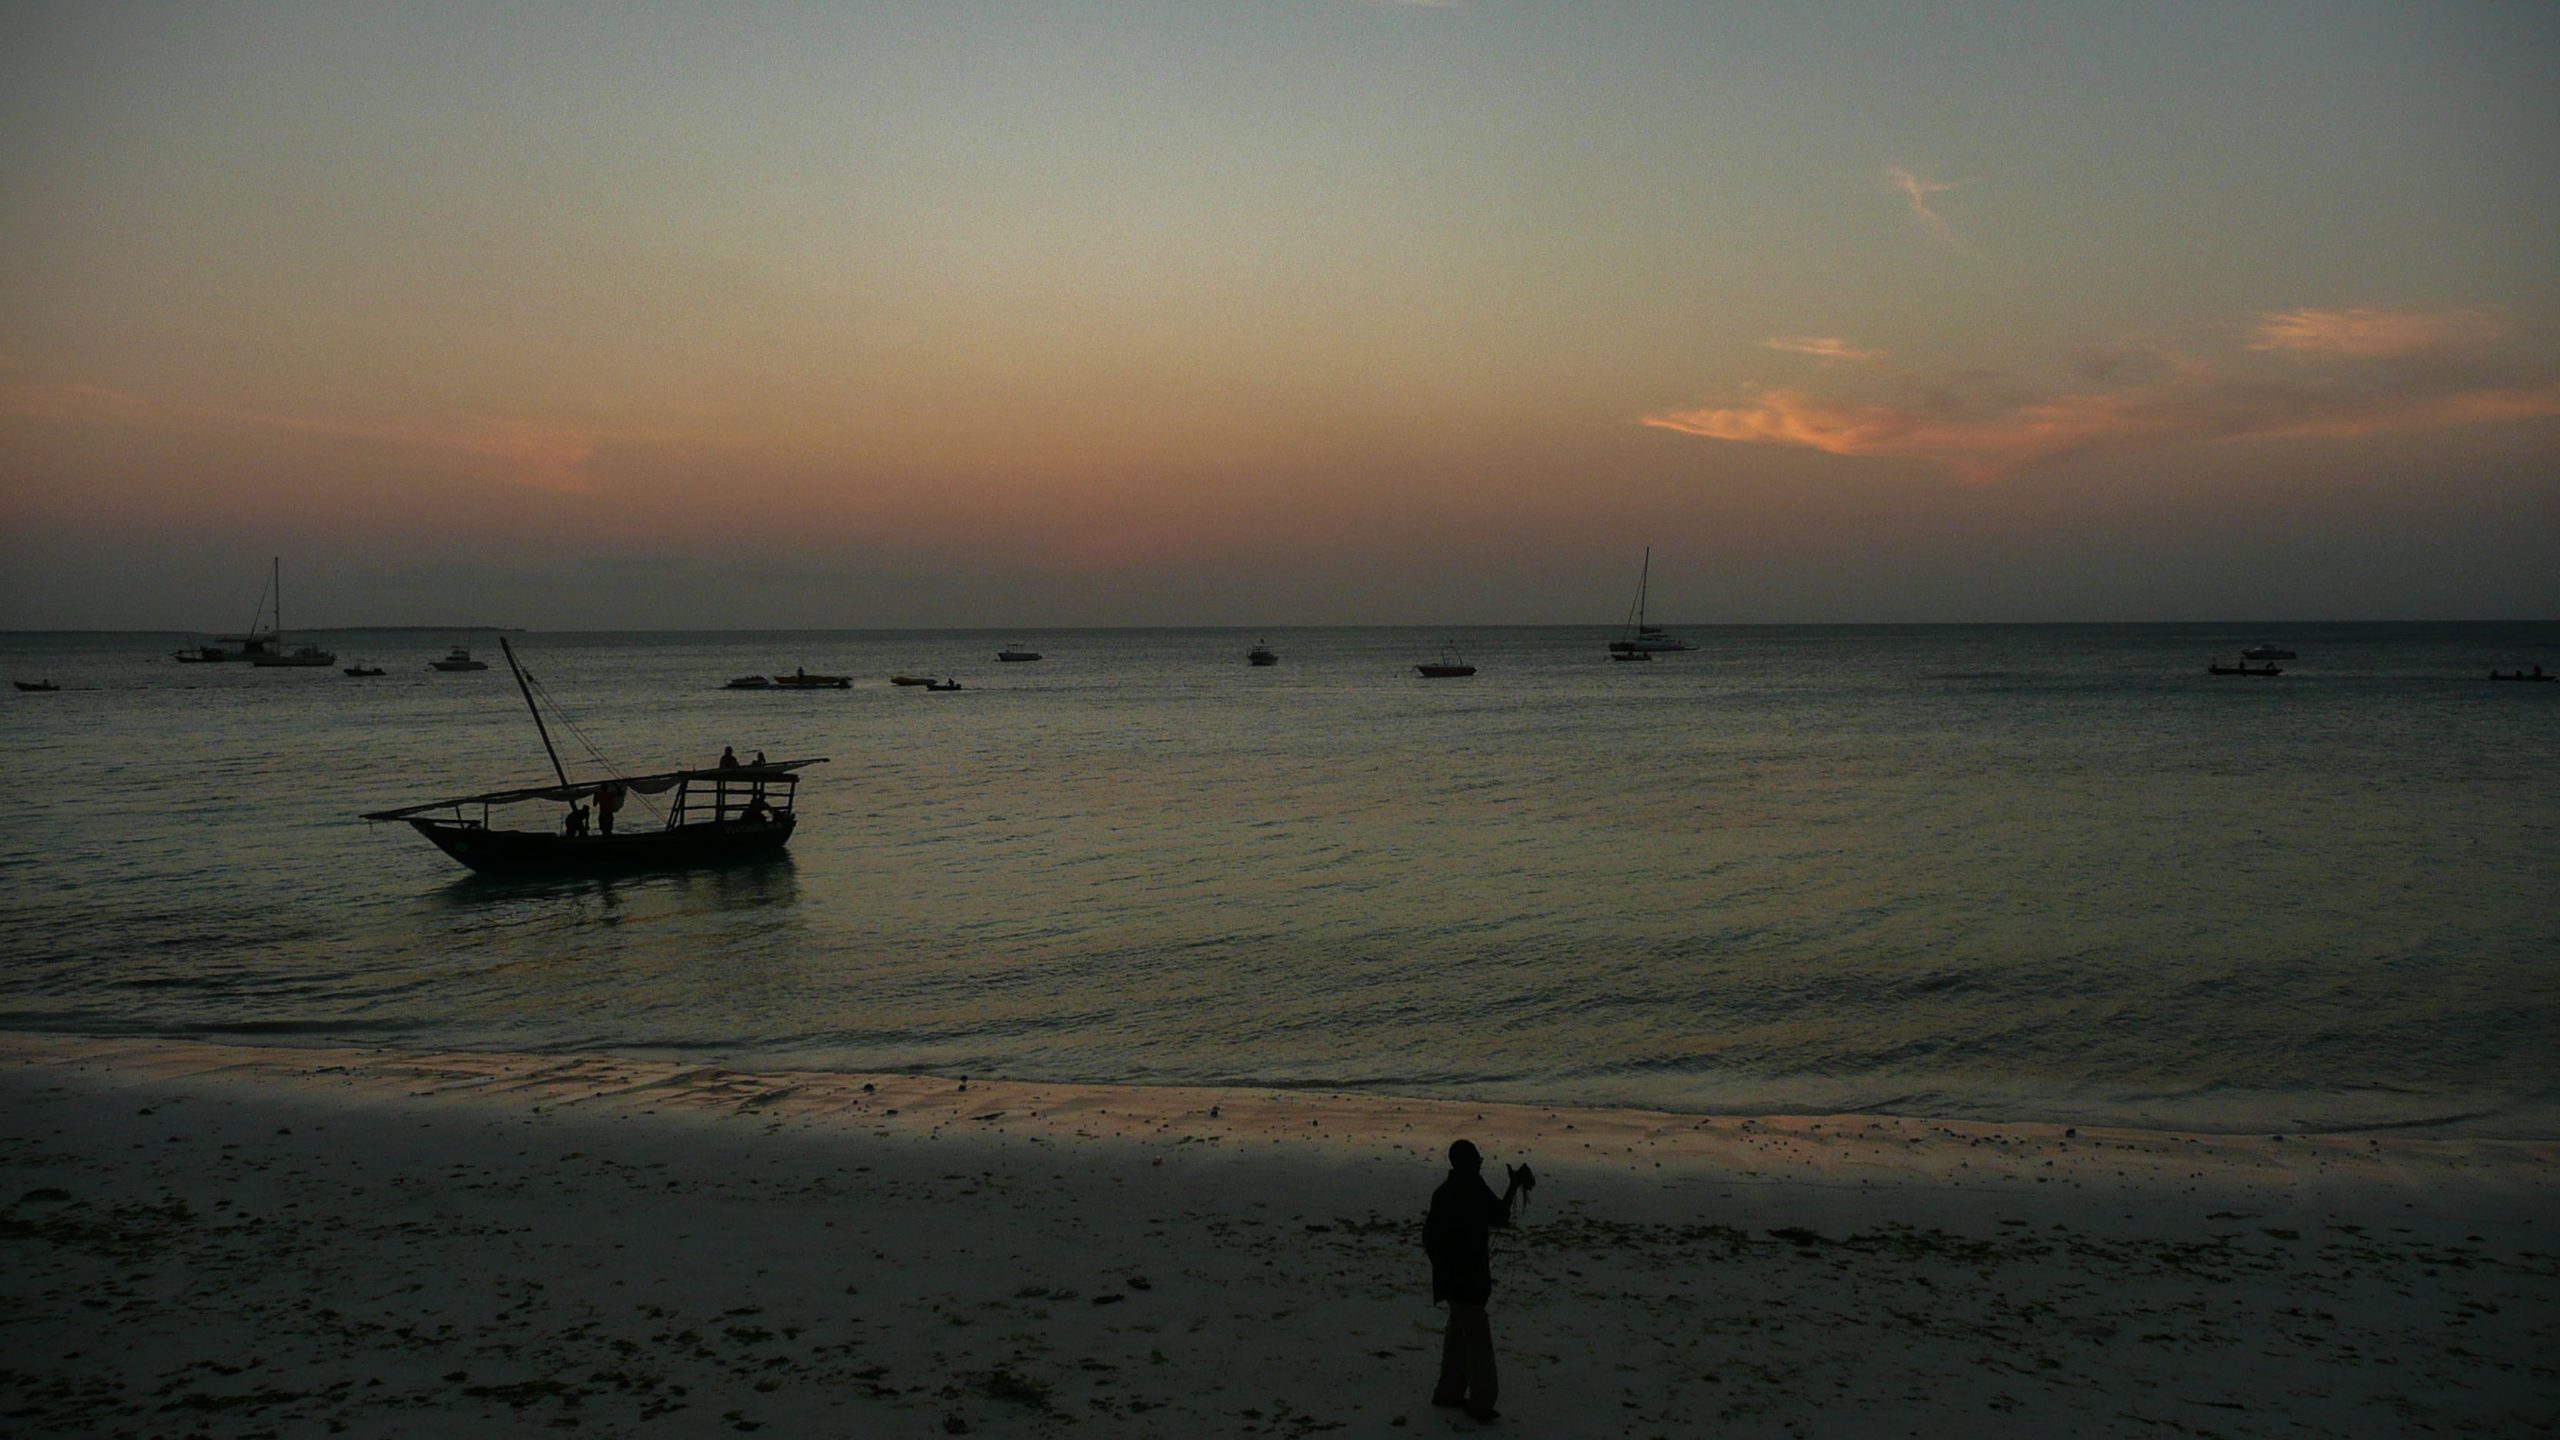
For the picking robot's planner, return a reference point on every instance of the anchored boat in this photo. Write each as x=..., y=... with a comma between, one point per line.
x=264, y=648
x=1638, y=640
x=713, y=816
x=1450, y=666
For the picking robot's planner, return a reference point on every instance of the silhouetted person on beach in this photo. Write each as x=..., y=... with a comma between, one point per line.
x=1458, y=1236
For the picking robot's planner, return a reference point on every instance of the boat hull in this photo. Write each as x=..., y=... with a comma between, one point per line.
x=533, y=853
x=1445, y=672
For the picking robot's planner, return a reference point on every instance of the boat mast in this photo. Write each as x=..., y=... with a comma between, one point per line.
x=539, y=727
x=1644, y=577
x=276, y=579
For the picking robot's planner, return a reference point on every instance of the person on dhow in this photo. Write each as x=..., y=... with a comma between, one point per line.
x=1458, y=1236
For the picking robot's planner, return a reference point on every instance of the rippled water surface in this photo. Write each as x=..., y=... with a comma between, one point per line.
x=2034, y=872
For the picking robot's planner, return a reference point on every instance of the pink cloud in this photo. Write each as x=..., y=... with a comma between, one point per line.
x=1917, y=191
x=518, y=452
x=2193, y=402
x=1823, y=347
x=2375, y=334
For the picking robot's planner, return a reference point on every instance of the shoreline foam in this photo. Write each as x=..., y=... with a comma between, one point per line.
x=250, y=1239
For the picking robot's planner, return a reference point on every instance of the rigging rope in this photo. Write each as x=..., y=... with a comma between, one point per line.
x=593, y=753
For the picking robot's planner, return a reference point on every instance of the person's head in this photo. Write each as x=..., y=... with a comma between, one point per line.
x=1463, y=1157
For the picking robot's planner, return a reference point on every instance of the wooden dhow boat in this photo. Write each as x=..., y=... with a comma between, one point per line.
x=716, y=815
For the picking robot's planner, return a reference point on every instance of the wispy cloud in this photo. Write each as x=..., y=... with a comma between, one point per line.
x=535, y=454
x=1917, y=191
x=1823, y=347
x=2315, y=378
x=2376, y=334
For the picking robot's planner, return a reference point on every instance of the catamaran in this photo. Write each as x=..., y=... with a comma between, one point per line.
x=717, y=815
x=260, y=647
x=1638, y=640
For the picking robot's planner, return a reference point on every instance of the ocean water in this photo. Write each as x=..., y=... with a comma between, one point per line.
x=2031, y=872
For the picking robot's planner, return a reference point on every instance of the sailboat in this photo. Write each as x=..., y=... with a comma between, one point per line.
x=240, y=647
x=1638, y=641
x=272, y=652
x=719, y=814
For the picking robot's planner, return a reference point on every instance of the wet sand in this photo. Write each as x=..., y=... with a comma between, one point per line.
x=235, y=1241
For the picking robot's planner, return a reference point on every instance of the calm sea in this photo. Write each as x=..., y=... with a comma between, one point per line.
x=2035, y=872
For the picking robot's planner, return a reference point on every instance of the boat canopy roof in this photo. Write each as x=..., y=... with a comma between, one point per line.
x=772, y=772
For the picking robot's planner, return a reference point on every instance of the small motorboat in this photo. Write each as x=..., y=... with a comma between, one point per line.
x=909, y=680
x=2494, y=675
x=2216, y=667
x=457, y=658
x=803, y=680
x=942, y=684
x=1450, y=666
x=749, y=682
x=1261, y=654
x=360, y=668
x=1016, y=652
x=40, y=687
x=1630, y=654
x=2268, y=652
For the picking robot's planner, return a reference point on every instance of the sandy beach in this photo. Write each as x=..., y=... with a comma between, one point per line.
x=228, y=1241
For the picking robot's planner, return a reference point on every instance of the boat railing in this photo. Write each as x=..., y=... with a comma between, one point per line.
x=733, y=795
x=733, y=800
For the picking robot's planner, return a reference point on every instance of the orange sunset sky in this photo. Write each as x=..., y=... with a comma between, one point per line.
x=1263, y=314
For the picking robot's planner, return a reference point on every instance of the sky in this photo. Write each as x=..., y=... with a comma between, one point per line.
x=1301, y=312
